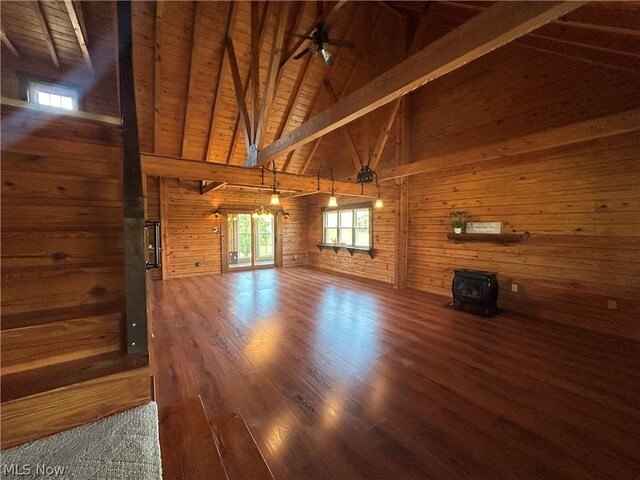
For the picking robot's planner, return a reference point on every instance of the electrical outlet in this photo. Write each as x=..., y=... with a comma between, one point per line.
x=612, y=304
x=514, y=287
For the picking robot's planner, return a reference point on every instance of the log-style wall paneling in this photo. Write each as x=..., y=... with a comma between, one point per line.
x=44, y=414
x=380, y=268
x=190, y=225
x=576, y=204
x=62, y=272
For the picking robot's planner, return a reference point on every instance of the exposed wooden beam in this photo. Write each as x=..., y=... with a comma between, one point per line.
x=272, y=74
x=234, y=135
x=416, y=45
x=174, y=167
x=80, y=34
x=321, y=19
x=197, y=13
x=496, y=26
x=255, y=69
x=618, y=123
x=294, y=97
x=7, y=43
x=348, y=137
x=37, y=8
x=242, y=106
x=206, y=187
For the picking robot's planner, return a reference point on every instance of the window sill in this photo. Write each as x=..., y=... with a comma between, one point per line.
x=351, y=250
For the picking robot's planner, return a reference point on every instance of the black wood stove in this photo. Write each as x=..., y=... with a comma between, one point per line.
x=475, y=291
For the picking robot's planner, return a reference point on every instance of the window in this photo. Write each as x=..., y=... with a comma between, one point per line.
x=55, y=96
x=349, y=226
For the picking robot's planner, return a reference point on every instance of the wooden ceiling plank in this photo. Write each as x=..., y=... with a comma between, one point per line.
x=327, y=18
x=197, y=13
x=157, y=77
x=364, y=52
x=350, y=141
x=186, y=169
x=37, y=8
x=416, y=44
x=242, y=106
x=255, y=70
x=273, y=75
x=606, y=126
x=7, y=43
x=236, y=130
x=80, y=34
x=294, y=97
x=217, y=90
x=497, y=26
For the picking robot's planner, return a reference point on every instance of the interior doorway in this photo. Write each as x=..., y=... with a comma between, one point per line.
x=250, y=241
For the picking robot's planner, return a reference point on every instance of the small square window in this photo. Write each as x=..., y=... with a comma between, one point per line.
x=56, y=96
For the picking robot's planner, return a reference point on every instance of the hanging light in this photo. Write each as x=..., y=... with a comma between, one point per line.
x=275, y=195
x=216, y=213
x=261, y=212
x=379, y=203
x=333, y=201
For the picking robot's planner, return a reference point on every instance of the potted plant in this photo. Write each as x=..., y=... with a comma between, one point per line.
x=457, y=220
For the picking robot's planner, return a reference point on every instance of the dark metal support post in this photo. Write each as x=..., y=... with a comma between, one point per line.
x=134, y=222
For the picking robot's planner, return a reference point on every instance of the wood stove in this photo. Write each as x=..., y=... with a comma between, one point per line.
x=475, y=291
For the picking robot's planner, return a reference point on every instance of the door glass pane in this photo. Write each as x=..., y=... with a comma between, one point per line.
x=346, y=219
x=346, y=236
x=265, y=246
x=239, y=240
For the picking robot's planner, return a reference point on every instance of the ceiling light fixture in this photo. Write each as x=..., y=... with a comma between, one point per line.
x=275, y=195
x=379, y=203
x=333, y=201
x=261, y=212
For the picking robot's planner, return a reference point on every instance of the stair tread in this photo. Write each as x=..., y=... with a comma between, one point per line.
x=43, y=379
x=240, y=453
x=188, y=447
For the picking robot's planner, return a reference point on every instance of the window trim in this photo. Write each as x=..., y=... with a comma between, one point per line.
x=26, y=79
x=352, y=206
x=35, y=86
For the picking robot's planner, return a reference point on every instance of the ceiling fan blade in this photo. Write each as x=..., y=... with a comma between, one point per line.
x=326, y=55
x=341, y=43
x=302, y=53
x=302, y=36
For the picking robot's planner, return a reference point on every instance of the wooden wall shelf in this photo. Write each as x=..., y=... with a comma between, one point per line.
x=351, y=250
x=485, y=237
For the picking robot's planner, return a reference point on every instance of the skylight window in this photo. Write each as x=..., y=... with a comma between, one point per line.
x=54, y=96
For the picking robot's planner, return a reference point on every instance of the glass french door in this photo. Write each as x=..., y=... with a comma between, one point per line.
x=251, y=240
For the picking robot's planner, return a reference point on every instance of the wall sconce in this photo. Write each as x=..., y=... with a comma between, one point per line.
x=216, y=213
x=379, y=203
x=333, y=202
x=275, y=195
x=285, y=215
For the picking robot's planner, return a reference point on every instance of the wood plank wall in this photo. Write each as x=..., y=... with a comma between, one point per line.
x=190, y=223
x=380, y=268
x=62, y=272
x=577, y=206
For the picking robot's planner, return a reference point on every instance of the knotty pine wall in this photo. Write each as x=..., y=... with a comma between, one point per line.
x=63, y=274
x=190, y=223
x=380, y=268
x=577, y=206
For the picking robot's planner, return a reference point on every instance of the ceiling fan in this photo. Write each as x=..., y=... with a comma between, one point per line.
x=321, y=41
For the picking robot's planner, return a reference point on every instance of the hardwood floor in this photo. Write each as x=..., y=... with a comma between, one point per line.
x=342, y=379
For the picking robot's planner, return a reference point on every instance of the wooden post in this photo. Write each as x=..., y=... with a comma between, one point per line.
x=402, y=209
x=134, y=247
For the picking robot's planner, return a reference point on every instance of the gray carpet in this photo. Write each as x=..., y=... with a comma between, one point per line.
x=124, y=446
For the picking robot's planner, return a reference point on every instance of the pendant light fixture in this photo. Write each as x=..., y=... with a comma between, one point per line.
x=379, y=203
x=333, y=201
x=275, y=195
